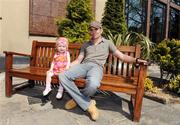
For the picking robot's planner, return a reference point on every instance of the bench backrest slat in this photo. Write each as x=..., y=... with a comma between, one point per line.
x=42, y=54
x=118, y=67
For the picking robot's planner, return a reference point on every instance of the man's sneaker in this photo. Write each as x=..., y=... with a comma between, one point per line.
x=47, y=91
x=93, y=110
x=70, y=104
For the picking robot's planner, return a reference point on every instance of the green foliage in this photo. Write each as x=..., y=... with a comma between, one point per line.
x=167, y=55
x=149, y=86
x=75, y=25
x=132, y=38
x=174, y=84
x=114, y=17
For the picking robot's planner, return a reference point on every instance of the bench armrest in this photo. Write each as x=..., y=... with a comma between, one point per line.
x=15, y=53
x=9, y=58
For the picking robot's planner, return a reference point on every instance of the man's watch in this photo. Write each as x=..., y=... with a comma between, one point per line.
x=137, y=63
x=137, y=60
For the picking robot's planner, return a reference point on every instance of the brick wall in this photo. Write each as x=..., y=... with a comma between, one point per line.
x=42, y=15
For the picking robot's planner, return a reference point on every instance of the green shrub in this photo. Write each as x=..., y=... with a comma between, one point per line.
x=167, y=55
x=75, y=25
x=114, y=17
x=132, y=38
x=149, y=86
x=174, y=84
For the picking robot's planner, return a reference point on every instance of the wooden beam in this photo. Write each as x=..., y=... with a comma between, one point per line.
x=148, y=17
x=174, y=6
x=167, y=19
x=164, y=1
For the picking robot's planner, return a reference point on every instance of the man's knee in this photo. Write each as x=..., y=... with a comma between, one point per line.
x=62, y=76
x=93, y=83
x=93, y=86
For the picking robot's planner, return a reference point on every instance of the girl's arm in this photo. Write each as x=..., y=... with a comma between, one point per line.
x=68, y=60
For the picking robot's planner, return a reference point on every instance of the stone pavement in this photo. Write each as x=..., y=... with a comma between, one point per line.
x=28, y=107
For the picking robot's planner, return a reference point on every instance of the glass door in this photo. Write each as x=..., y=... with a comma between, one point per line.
x=174, y=24
x=157, y=26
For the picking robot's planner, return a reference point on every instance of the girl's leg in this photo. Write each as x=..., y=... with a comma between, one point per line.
x=48, y=83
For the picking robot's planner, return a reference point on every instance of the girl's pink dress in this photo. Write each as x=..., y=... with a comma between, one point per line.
x=60, y=62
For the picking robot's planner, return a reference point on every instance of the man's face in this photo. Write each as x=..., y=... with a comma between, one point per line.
x=95, y=32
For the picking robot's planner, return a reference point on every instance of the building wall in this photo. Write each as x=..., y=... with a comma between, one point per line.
x=0, y=27
x=100, y=4
x=15, y=26
x=14, y=33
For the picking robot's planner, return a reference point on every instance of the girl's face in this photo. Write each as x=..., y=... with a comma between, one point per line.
x=61, y=47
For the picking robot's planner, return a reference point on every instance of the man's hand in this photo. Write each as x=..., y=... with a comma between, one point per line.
x=141, y=61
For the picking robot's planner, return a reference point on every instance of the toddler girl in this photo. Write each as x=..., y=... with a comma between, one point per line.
x=61, y=62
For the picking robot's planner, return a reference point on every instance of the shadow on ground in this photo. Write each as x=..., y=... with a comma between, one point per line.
x=105, y=101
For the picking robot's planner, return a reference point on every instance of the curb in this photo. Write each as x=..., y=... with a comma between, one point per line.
x=160, y=99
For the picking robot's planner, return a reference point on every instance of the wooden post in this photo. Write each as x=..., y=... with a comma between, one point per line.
x=8, y=78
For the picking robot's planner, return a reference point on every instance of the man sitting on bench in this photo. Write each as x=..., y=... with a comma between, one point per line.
x=89, y=64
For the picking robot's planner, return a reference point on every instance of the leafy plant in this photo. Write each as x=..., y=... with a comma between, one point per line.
x=132, y=38
x=149, y=86
x=114, y=17
x=167, y=55
x=75, y=25
x=174, y=84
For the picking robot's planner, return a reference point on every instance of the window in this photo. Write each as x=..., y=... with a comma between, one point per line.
x=157, y=26
x=43, y=14
x=136, y=15
x=177, y=2
x=174, y=24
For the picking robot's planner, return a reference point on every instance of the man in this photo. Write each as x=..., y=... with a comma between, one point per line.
x=89, y=64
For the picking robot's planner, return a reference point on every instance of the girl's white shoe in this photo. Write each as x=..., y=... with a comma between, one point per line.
x=59, y=94
x=46, y=91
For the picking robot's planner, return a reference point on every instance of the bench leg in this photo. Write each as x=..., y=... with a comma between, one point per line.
x=138, y=105
x=32, y=83
x=8, y=82
x=133, y=99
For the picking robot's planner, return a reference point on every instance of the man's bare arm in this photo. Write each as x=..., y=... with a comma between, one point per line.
x=78, y=60
x=127, y=58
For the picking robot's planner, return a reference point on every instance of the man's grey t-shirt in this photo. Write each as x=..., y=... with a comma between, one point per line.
x=97, y=53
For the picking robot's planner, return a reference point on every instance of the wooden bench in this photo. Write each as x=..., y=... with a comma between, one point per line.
x=118, y=76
